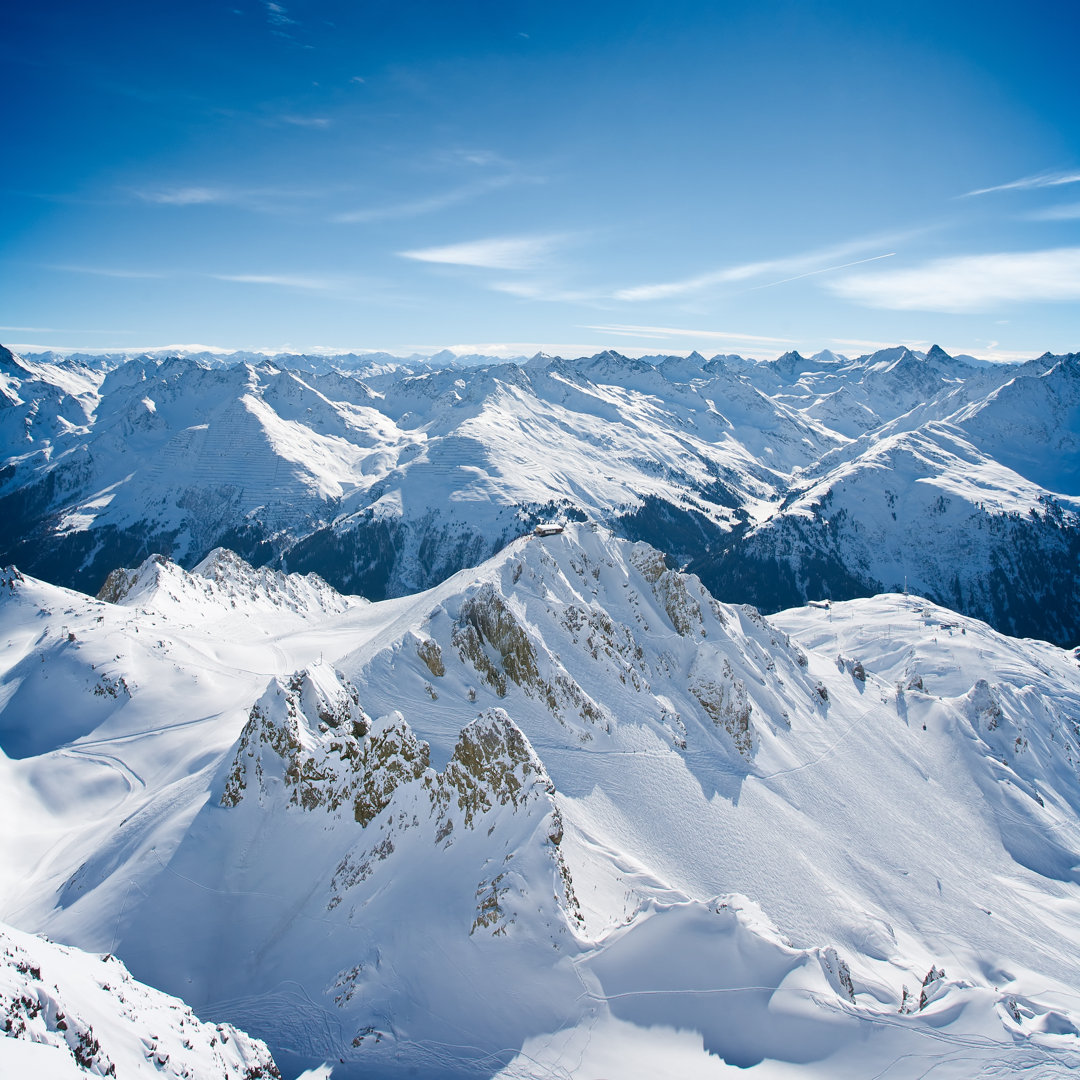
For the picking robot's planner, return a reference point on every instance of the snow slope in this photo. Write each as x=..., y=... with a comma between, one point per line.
x=567, y=814
x=67, y=1015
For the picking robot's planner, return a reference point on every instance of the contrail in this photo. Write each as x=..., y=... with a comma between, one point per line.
x=823, y=270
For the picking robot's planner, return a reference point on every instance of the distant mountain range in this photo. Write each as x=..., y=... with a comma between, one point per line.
x=776, y=482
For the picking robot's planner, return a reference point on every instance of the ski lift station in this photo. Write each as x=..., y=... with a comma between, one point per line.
x=547, y=528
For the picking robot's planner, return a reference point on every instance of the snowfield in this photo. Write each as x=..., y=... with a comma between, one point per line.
x=563, y=814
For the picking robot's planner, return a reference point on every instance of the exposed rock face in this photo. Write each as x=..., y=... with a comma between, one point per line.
x=491, y=638
x=221, y=576
x=307, y=736
x=984, y=708
x=308, y=740
x=10, y=578
x=723, y=697
x=674, y=590
x=493, y=764
x=122, y=580
x=429, y=651
x=392, y=756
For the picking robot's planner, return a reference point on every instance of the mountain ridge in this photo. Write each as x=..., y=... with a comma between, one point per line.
x=389, y=483
x=647, y=778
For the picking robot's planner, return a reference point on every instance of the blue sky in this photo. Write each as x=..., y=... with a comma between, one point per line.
x=731, y=177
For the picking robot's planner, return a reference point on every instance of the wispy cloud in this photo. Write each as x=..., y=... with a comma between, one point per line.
x=495, y=253
x=108, y=271
x=59, y=330
x=309, y=282
x=427, y=205
x=668, y=289
x=1061, y=212
x=793, y=266
x=481, y=157
x=1041, y=180
x=286, y=281
x=823, y=270
x=127, y=350
x=183, y=196
x=547, y=292
x=969, y=282
x=661, y=332
x=305, y=121
x=269, y=200
x=277, y=14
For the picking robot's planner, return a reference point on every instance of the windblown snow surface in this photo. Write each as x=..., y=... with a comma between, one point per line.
x=564, y=814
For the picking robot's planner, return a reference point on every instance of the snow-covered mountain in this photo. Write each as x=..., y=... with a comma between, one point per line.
x=779, y=482
x=973, y=502
x=563, y=814
x=67, y=1015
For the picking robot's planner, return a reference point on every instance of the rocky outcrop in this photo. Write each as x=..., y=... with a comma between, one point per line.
x=122, y=581
x=307, y=738
x=674, y=590
x=430, y=652
x=85, y=1012
x=224, y=578
x=493, y=765
x=492, y=772
x=489, y=637
x=722, y=695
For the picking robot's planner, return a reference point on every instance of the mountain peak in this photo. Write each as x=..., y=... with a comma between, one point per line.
x=221, y=582
x=827, y=356
x=8, y=358
x=124, y=584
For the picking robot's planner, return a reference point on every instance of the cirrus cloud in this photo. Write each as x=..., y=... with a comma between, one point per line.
x=1061, y=212
x=1026, y=183
x=969, y=283
x=285, y=281
x=495, y=253
x=792, y=267
x=183, y=196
